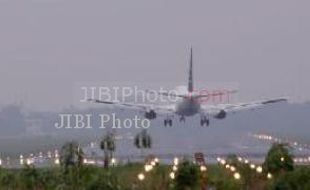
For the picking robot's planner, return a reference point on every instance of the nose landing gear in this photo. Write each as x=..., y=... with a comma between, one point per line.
x=182, y=118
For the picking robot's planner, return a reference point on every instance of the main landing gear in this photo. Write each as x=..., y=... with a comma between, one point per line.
x=168, y=122
x=204, y=121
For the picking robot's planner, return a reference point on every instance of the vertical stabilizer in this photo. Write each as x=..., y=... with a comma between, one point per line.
x=190, y=74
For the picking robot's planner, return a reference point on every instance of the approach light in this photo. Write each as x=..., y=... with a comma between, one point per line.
x=148, y=167
x=223, y=162
x=172, y=175
x=252, y=166
x=113, y=161
x=269, y=175
x=259, y=169
x=156, y=160
x=237, y=176
x=232, y=168
x=85, y=161
x=57, y=161
x=141, y=177
x=153, y=163
x=203, y=168
x=29, y=161
x=176, y=161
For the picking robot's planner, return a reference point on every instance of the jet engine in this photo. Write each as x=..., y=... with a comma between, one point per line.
x=221, y=115
x=151, y=114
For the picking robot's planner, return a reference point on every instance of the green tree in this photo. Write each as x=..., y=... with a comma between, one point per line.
x=107, y=144
x=278, y=159
x=187, y=177
x=297, y=179
x=106, y=181
x=29, y=177
x=7, y=179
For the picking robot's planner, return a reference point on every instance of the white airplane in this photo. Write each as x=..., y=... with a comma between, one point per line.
x=190, y=104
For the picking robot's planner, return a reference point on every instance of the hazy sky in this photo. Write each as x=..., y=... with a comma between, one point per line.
x=49, y=46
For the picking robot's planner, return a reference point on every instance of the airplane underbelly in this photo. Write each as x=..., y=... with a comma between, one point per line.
x=188, y=108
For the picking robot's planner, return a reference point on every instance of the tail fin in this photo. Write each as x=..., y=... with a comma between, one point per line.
x=190, y=78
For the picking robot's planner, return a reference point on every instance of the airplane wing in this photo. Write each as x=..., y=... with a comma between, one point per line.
x=216, y=109
x=167, y=109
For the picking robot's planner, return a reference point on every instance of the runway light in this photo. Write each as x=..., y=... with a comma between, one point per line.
x=237, y=176
x=172, y=175
x=174, y=168
x=239, y=159
x=141, y=177
x=227, y=166
x=269, y=175
x=282, y=159
x=259, y=169
x=203, y=168
x=246, y=161
x=218, y=159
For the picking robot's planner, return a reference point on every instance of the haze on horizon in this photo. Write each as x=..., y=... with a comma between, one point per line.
x=49, y=46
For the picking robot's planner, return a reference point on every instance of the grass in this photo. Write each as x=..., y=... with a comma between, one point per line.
x=121, y=177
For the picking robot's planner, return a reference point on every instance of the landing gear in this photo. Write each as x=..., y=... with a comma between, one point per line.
x=168, y=122
x=204, y=121
x=182, y=118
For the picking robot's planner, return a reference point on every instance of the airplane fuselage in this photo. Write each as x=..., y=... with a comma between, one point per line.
x=187, y=107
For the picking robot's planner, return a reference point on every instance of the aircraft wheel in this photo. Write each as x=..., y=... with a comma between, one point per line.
x=170, y=122
x=201, y=122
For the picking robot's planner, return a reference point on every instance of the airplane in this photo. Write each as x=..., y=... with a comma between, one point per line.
x=190, y=104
